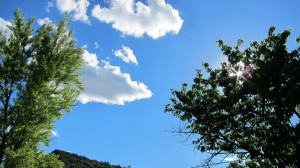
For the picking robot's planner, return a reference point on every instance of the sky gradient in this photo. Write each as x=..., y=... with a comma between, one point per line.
x=136, y=51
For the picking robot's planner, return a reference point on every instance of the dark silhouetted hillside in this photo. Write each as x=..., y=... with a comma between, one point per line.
x=75, y=161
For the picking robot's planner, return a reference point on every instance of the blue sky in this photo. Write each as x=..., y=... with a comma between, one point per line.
x=135, y=52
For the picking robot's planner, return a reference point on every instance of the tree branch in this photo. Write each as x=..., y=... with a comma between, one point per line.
x=297, y=114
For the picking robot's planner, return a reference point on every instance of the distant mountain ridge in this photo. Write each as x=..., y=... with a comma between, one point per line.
x=72, y=160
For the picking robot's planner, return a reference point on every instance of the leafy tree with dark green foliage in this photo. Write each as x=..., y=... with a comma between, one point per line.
x=39, y=80
x=71, y=160
x=249, y=107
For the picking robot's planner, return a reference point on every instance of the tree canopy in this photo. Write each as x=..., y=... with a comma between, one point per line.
x=39, y=80
x=249, y=107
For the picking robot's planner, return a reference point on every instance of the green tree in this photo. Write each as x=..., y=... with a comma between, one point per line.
x=39, y=80
x=249, y=107
x=72, y=160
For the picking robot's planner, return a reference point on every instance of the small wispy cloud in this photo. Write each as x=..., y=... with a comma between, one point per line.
x=126, y=54
x=54, y=133
x=96, y=45
x=84, y=46
x=50, y=4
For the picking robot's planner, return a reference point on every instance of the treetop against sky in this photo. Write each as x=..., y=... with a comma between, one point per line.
x=135, y=51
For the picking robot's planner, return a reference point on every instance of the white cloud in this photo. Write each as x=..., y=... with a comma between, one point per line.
x=108, y=84
x=3, y=27
x=49, y=5
x=135, y=18
x=96, y=45
x=55, y=133
x=77, y=7
x=44, y=21
x=126, y=54
x=231, y=159
x=84, y=46
x=90, y=59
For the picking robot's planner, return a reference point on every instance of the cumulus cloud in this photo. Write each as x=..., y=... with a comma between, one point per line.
x=107, y=84
x=77, y=7
x=90, y=59
x=135, y=18
x=3, y=27
x=44, y=21
x=126, y=54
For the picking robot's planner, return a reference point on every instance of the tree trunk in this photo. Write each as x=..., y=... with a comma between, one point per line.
x=2, y=147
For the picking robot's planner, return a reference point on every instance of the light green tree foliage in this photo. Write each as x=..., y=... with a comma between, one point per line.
x=39, y=80
x=249, y=107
